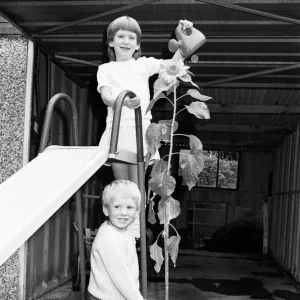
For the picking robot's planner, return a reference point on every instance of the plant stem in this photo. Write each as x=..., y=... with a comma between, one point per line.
x=167, y=205
x=180, y=111
x=172, y=128
x=166, y=229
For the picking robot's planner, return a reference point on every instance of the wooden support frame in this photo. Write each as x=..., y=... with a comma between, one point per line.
x=107, y=13
x=248, y=109
x=26, y=153
x=249, y=75
x=252, y=11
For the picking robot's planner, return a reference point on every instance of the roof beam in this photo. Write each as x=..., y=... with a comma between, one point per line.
x=159, y=38
x=256, y=85
x=24, y=33
x=80, y=61
x=249, y=75
x=107, y=13
x=254, y=109
x=245, y=109
x=241, y=128
x=252, y=11
x=9, y=3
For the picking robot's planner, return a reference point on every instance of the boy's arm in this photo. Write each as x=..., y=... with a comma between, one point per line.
x=114, y=261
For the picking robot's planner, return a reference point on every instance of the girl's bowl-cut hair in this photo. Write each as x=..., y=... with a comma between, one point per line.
x=123, y=23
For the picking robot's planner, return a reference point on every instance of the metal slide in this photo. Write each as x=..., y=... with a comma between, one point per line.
x=33, y=194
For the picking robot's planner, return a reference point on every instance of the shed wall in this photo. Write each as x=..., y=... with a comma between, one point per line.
x=243, y=203
x=284, y=206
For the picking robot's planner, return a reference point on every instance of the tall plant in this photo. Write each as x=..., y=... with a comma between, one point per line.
x=162, y=183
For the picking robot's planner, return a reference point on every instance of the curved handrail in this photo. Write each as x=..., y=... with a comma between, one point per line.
x=141, y=173
x=116, y=124
x=43, y=144
x=48, y=117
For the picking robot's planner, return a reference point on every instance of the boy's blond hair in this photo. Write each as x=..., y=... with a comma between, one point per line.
x=123, y=23
x=121, y=185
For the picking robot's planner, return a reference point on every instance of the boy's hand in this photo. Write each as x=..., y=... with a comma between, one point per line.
x=185, y=24
x=132, y=103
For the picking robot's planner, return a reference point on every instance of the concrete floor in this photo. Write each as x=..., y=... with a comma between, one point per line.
x=206, y=275
x=211, y=276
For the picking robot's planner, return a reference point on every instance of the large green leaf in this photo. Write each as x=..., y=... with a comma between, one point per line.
x=162, y=184
x=157, y=256
x=174, y=209
x=188, y=78
x=159, y=87
x=195, y=144
x=192, y=165
x=151, y=214
x=154, y=133
x=199, y=109
x=171, y=88
x=159, y=167
x=166, y=137
x=152, y=102
x=197, y=95
x=173, y=247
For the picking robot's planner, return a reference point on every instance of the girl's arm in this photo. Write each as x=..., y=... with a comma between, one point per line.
x=109, y=98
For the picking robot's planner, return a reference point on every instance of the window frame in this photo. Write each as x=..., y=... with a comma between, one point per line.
x=217, y=172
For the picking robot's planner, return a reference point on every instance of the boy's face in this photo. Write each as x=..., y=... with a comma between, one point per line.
x=122, y=210
x=124, y=44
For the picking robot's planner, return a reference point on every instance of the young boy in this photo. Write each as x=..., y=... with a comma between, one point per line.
x=114, y=263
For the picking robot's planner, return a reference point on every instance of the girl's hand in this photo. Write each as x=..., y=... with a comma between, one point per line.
x=132, y=103
x=185, y=24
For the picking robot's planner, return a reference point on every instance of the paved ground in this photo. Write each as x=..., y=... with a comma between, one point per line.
x=211, y=276
x=201, y=275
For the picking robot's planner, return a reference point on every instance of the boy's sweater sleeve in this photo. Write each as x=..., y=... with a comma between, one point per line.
x=114, y=260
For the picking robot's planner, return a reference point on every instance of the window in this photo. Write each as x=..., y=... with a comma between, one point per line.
x=220, y=169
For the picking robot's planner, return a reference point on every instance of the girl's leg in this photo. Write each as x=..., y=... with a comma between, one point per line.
x=125, y=171
x=120, y=171
x=133, y=173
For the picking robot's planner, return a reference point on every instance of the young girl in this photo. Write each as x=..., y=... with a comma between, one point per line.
x=127, y=70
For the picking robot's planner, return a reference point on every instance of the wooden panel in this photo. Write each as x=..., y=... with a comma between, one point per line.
x=285, y=233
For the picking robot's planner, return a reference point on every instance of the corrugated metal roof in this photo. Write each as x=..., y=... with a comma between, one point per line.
x=251, y=57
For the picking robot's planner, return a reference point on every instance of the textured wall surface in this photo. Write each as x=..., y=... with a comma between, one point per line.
x=13, y=58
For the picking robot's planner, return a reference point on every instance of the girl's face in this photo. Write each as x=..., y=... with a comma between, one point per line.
x=124, y=44
x=122, y=210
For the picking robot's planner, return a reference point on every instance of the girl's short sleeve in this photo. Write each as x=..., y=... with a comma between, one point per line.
x=151, y=64
x=102, y=77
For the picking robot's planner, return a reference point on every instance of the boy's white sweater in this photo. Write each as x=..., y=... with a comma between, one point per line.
x=114, y=265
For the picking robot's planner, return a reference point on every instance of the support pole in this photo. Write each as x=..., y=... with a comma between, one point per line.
x=26, y=156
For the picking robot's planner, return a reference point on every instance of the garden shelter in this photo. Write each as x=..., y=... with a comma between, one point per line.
x=249, y=66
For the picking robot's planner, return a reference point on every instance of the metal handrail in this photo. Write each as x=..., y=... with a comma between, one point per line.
x=141, y=172
x=43, y=144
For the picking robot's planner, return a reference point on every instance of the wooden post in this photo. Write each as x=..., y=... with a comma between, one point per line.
x=26, y=148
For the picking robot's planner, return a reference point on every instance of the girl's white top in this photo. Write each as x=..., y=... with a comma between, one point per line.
x=114, y=265
x=130, y=75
